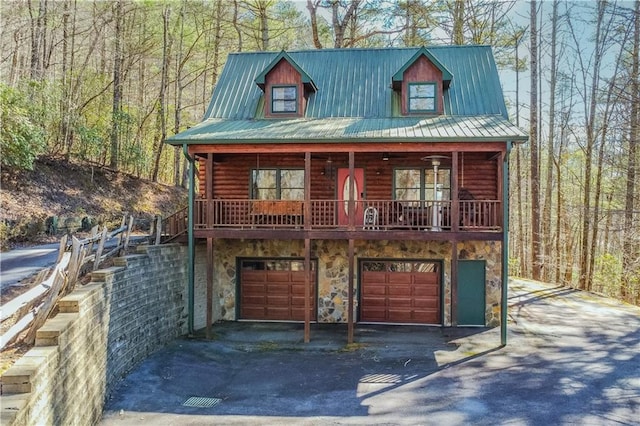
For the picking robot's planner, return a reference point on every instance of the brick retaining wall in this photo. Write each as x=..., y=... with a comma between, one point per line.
x=101, y=332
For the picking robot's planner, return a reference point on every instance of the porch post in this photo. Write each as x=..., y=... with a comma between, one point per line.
x=307, y=247
x=209, y=287
x=351, y=277
x=455, y=194
x=351, y=208
x=352, y=226
x=454, y=283
x=307, y=290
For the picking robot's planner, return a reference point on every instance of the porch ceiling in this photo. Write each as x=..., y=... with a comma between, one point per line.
x=490, y=128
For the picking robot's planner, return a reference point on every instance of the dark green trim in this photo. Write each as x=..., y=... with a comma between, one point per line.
x=398, y=77
x=505, y=248
x=342, y=140
x=191, y=244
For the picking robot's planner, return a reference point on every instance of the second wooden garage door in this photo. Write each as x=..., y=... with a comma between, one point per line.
x=274, y=290
x=400, y=292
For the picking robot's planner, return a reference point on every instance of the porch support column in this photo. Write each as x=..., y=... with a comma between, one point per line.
x=505, y=246
x=209, y=287
x=307, y=290
x=307, y=247
x=208, y=192
x=454, y=283
x=455, y=194
x=352, y=227
x=351, y=277
x=352, y=203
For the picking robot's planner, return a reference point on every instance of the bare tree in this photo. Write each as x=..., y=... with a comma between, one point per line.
x=117, y=85
x=629, y=245
x=533, y=142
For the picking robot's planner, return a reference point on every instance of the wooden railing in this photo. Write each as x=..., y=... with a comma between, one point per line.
x=473, y=215
x=33, y=307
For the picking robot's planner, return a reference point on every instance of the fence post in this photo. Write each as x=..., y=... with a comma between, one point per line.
x=128, y=233
x=96, y=262
x=74, y=266
x=63, y=247
x=158, y=229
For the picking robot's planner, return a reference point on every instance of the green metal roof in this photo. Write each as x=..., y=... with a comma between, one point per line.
x=355, y=100
x=336, y=130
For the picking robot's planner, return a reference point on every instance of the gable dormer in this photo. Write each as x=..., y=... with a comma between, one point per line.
x=286, y=88
x=421, y=83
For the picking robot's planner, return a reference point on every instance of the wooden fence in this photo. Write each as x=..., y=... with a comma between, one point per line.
x=31, y=309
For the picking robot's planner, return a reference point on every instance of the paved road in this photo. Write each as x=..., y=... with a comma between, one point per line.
x=18, y=264
x=572, y=359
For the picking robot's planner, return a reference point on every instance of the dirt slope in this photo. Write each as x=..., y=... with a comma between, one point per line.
x=56, y=188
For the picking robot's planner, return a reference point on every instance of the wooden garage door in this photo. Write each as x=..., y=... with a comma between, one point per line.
x=400, y=292
x=274, y=290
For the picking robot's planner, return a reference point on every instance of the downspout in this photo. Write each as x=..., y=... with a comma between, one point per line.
x=191, y=245
x=505, y=246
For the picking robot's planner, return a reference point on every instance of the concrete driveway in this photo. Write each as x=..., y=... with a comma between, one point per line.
x=573, y=358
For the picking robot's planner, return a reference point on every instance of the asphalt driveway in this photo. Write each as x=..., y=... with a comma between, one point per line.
x=572, y=358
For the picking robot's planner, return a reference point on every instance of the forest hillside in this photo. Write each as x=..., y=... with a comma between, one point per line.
x=71, y=192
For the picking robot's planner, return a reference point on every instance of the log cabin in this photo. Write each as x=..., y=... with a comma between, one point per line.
x=351, y=186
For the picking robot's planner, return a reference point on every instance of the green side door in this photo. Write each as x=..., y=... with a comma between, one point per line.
x=471, y=292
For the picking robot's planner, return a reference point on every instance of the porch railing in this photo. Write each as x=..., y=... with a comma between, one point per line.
x=473, y=215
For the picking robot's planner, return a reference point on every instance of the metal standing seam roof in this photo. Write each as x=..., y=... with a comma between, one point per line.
x=354, y=99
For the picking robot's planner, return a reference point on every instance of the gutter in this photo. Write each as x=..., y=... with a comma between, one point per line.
x=505, y=247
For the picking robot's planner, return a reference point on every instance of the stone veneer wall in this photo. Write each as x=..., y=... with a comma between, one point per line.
x=102, y=331
x=333, y=271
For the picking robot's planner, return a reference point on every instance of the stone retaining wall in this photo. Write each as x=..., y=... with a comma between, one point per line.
x=102, y=331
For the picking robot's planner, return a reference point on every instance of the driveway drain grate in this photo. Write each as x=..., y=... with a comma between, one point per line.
x=201, y=402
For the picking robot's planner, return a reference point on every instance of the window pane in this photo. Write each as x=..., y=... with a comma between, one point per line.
x=422, y=104
x=292, y=178
x=422, y=90
x=292, y=194
x=284, y=106
x=292, y=184
x=284, y=93
x=264, y=184
x=444, y=184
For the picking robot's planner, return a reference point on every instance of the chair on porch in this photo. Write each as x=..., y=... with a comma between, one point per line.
x=370, y=218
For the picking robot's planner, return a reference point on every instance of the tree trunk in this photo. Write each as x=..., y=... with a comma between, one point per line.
x=458, y=22
x=548, y=197
x=162, y=119
x=629, y=244
x=533, y=141
x=313, y=7
x=117, y=86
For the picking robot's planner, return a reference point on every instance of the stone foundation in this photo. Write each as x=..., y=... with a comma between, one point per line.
x=333, y=270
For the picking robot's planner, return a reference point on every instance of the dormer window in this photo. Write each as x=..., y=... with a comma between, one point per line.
x=422, y=97
x=284, y=99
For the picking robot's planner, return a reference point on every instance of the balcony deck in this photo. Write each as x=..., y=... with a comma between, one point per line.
x=322, y=219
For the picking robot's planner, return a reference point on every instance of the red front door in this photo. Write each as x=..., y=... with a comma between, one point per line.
x=343, y=196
